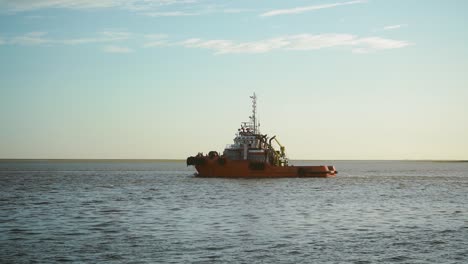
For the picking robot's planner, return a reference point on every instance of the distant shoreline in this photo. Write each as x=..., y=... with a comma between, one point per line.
x=183, y=160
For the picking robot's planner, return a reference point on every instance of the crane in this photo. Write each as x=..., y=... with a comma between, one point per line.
x=280, y=156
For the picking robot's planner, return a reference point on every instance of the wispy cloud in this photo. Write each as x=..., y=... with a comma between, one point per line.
x=228, y=46
x=299, y=42
x=106, y=36
x=392, y=27
x=171, y=14
x=303, y=9
x=197, y=11
x=117, y=49
x=31, y=38
x=302, y=42
x=40, y=38
x=155, y=40
x=26, y=5
x=2, y=41
x=370, y=44
x=152, y=8
x=236, y=10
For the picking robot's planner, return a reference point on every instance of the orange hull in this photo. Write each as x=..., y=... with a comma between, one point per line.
x=253, y=156
x=212, y=167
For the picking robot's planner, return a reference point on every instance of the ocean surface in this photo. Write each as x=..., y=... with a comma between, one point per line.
x=157, y=212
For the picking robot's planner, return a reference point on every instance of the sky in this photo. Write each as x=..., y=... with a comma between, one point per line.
x=166, y=79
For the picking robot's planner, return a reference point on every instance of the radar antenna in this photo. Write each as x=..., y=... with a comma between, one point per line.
x=254, y=113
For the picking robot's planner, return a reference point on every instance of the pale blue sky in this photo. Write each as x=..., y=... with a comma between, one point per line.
x=336, y=79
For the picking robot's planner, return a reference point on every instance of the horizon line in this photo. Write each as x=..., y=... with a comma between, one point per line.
x=180, y=160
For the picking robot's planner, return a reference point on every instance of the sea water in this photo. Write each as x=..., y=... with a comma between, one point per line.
x=158, y=212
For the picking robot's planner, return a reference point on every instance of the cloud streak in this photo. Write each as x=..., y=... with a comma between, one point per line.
x=31, y=39
x=137, y=5
x=152, y=8
x=301, y=42
x=171, y=14
x=155, y=40
x=117, y=49
x=303, y=9
x=392, y=27
x=40, y=38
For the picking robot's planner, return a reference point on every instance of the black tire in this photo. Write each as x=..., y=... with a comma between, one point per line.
x=199, y=161
x=190, y=161
x=301, y=172
x=221, y=161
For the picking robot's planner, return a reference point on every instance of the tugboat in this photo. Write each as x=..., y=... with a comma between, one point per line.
x=253, y=156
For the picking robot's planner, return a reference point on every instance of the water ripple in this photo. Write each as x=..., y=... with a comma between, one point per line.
x=156, y=212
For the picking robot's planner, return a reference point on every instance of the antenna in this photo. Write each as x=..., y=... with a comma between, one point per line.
x=254, y=112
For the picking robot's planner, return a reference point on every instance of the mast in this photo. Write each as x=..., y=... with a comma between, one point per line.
x=254, y=112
